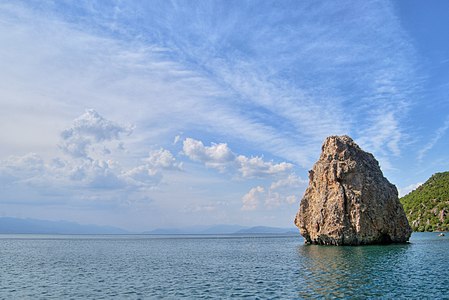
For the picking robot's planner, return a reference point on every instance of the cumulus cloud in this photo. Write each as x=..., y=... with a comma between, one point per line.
x=256, y=167
x=89, y=129
x=21, y=168
x=86, y=174
x=149, y=174
x=217, y=156
x=163, y=159
x=31, y=168
x=290, y=181
x=272, y=199
x=275, y=199
x=143, y=175
x=91, y=167
x=98, y=174
x=30, y=163
x=282, y=191
x=220, y=157
x=251, y=199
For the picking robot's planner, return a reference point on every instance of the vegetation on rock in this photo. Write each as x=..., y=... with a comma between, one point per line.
x=427, y=207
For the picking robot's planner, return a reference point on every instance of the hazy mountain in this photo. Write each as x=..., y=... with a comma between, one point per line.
x=223, y=229
x=166, y=231
x=267, y=230
x=34, y=226
x=215, y=229
x=17, y=225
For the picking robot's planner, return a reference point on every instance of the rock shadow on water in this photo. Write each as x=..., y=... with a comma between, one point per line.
x=347, y=271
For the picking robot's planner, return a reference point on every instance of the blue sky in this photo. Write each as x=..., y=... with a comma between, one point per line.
x=145, y=114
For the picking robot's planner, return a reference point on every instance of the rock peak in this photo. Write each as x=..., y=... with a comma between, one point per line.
x=349, y=201
x=345, y=139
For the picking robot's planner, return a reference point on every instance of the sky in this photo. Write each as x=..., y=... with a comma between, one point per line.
x=147, y=114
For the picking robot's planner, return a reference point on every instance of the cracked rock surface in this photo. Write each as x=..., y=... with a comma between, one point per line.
x=349, y=201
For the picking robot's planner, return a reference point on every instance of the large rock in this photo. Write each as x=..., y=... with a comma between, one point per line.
x=349, y=201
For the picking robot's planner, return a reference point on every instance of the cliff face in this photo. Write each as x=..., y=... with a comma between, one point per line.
x=349, y=201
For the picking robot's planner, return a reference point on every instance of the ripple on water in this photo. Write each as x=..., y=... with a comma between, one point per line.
x=255, y=267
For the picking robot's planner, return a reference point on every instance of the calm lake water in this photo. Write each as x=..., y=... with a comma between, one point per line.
x=256, y=267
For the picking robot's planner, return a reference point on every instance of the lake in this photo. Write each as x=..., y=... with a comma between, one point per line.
x=254, y=267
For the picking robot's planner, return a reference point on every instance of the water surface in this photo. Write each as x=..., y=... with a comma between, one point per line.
x=142, y=267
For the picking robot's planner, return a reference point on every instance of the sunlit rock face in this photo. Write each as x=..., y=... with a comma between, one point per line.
x=349, y=201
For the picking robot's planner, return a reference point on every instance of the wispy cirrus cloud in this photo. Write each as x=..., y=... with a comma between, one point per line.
x=283, y=89
x=341, y=82
x=439, y=133
x=267, y=78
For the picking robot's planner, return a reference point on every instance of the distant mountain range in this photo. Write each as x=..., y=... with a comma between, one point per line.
x=224, y=229
x=17, y=225
x=267, y=230
x=9, y=225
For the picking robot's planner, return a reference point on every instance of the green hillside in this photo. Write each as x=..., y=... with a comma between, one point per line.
x=427, y=207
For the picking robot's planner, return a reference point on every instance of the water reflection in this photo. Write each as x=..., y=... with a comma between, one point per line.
x=335, y=272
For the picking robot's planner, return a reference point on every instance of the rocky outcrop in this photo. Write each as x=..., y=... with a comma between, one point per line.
x=349, y=201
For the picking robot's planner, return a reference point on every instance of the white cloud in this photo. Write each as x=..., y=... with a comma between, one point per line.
x=196, y=208
x=87, y=170
x=162, y=159
x=21, y=168
x=167, y=68
x=217, y=156
x=282, y=191
x=290, y=181
x=150, y=173
x=90, y=129
x=220, y=157
x=285, y=190
x=30, y=163
x=176, y=139
x=273, y=199
x=143, y=175
x=250, y=167
x=316, y=104
x=251, y=199
x=97, y=174
x=291, y=199
x=384, y=134
x=264, y=93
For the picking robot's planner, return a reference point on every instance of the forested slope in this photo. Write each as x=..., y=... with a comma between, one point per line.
x=427, y=207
